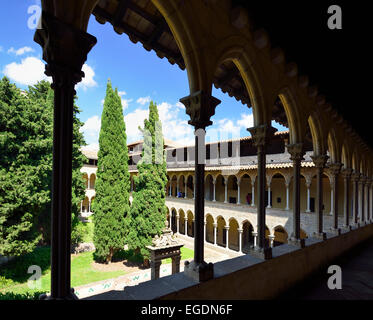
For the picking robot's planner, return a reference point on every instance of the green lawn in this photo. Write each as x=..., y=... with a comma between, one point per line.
x=14, y=276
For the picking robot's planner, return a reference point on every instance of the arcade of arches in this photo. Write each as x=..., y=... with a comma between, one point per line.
x=217, y=44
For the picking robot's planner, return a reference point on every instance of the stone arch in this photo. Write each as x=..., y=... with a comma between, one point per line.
x=85, y=179
x=249, y=69
x=278, y=190
x=346, y=156
x=85, y=204
x=220, y=234
x=232, y=184
x=209, y=228
x=334, y=146
x=92, y=181
x=173, y=225
x=181, y=221
x=190, y=224
x=281, y=236
x=209, y=187
x=233, y=234
x=220, y=188
x=173, y=183
x=318, y=136
x=245, y=188
x=294, y=114
x=247, y=236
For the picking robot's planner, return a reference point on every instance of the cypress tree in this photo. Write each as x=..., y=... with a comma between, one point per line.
x=148, y=210
x=113, y=181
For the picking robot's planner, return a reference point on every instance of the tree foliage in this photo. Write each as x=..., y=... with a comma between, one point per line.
x=26, y=143
x=148, y=210
x=112, y=186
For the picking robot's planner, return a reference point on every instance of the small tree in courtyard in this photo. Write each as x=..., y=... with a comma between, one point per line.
x=113, y=181
x=148, y=210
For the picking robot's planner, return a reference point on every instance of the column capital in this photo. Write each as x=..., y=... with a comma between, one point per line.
x=226, y=227
x=200, y=106
x=65, y=49
x=261, y=134
x=355, y=176
x=240, y=230
x=346, y=173
x=215, y=225
x=335, y=168
x=320, y=160
x=296, y=151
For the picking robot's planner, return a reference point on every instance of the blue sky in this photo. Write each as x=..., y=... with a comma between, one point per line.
x=138, y=74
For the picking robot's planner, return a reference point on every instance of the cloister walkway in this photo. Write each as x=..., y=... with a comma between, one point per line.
x=357, y=279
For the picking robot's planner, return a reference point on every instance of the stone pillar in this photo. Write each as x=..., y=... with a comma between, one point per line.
x=170, y=190
x=287, y=196
x=214, y=183
x=370, y=201
x=238, y=191
x=260, y=137
x=175, y=264
x=155, y=269
x=308, y=186
x=296, y=155
x=355, y=183
x=186, y=226
x=177, y=188
x=346, y=173
x=335, y=169
x=225, y=189
x=269, y=197
x=226, y=237
x=200, y=106
x=89, y=206
x=205, y=232
x=271, y=239
x=255, y=236
x=253, y=193
x=215, y=232
x=240, y=232
x=177, y=223
x=331, y=199
x=361, y=199
x=65, y=50
x=366, y=204
x=319, y=161
x=186, y=188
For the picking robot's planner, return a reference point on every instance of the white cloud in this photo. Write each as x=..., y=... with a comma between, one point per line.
x=91, y=147
x=122, y=93
x=125, y=103
x=91, y=130
x=143, y=100
x=246, y=121
x=20, y=51
x=87, y=81
x=28, y=72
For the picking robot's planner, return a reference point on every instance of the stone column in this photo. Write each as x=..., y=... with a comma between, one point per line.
x=253, y=193
x=186, y=226
x=200, y=106
x=366, y=197
x=238, y=191
x=335, y=169
x=214, y=183
x=255, y=236
x=296, y=155
x=175, y=264
x=269, y=196
x=89, y=206
x=186, y=188
x=370, y=201
x=177, y=188
x=177, y=223
x=346, y=173
x=226, y=237
x=308, y=186
x=205, y=232
x=225, y=189
x=170, y=190
x=271, y=239
x=287, y=196
x=260, y=137
x=240, y=232
x=155, y=269
x=215, y=232
x=319, y=161
x=65, y=50
x=361, y=199
x=355, y=183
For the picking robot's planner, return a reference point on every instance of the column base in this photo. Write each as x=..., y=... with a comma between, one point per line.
x=261, y=253
x=71, y=296
x=308, y=211
x=320, y=236
x=300, y=243
x=199, y=272
x=336, y=231
x=347, y=228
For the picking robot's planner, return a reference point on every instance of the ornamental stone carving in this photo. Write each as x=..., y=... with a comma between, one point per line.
x=200, y=106
x=296, y=151
x=320, y=160
x=261, y=134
